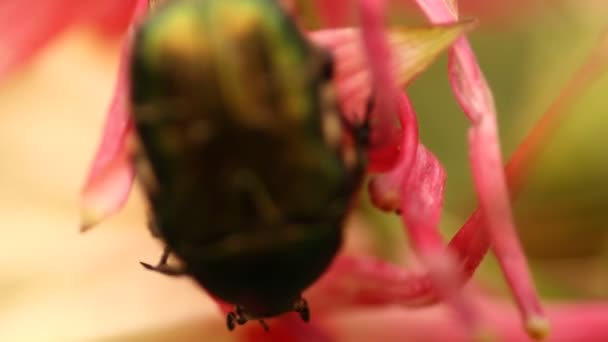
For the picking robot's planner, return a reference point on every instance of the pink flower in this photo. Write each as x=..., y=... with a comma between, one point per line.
x=407, y=177
x=393, y=149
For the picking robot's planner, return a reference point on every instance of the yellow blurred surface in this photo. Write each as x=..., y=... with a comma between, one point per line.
x=57, y=284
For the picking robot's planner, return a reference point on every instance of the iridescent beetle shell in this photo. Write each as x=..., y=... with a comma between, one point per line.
x=248, y=167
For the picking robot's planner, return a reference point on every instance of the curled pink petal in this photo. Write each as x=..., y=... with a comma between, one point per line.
x=111, y=176
x=421, y=191
x=475, y=98
x=385, y=91
x=422, y=194
x=422, y=199
x=411, y=49
x=421, y=204
x=386, y=189
x=365, y=281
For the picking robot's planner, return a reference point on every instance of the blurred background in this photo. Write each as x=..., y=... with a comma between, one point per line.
x=59, y=285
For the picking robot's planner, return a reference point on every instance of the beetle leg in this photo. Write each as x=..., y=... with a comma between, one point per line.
x=236, y=317
x=301, y=307
x=163, y=267
x=230, y=320
x=264, y=325
x=360, y=130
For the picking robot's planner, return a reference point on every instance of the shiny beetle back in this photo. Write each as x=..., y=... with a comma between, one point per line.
x=240, y=150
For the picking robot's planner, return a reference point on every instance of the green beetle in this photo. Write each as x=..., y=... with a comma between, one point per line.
x=248, y=165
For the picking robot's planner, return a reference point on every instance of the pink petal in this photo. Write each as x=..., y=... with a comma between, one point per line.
x=356, y=285
x=366, y=281
x=493, y=13
x=357, y=280
x=412, y=51
x=111, y=176
x=572, y=322
x=421, y=189
x=107, y=192
x=439, y=11
x=28, y=26
x=422, y=199
x=582, y=321
x=334, y=12
x=385, y=91
x=494, y=203
x=416, y=187
x=470, y=244
x=369, y=282
x=472, y=241
x=474, y=96
x=386, y=189
x=114, y=17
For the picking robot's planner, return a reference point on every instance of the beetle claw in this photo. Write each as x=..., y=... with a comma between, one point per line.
x=233, y=318
x=230, y=320
x=163, y=267
x=301, y=307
